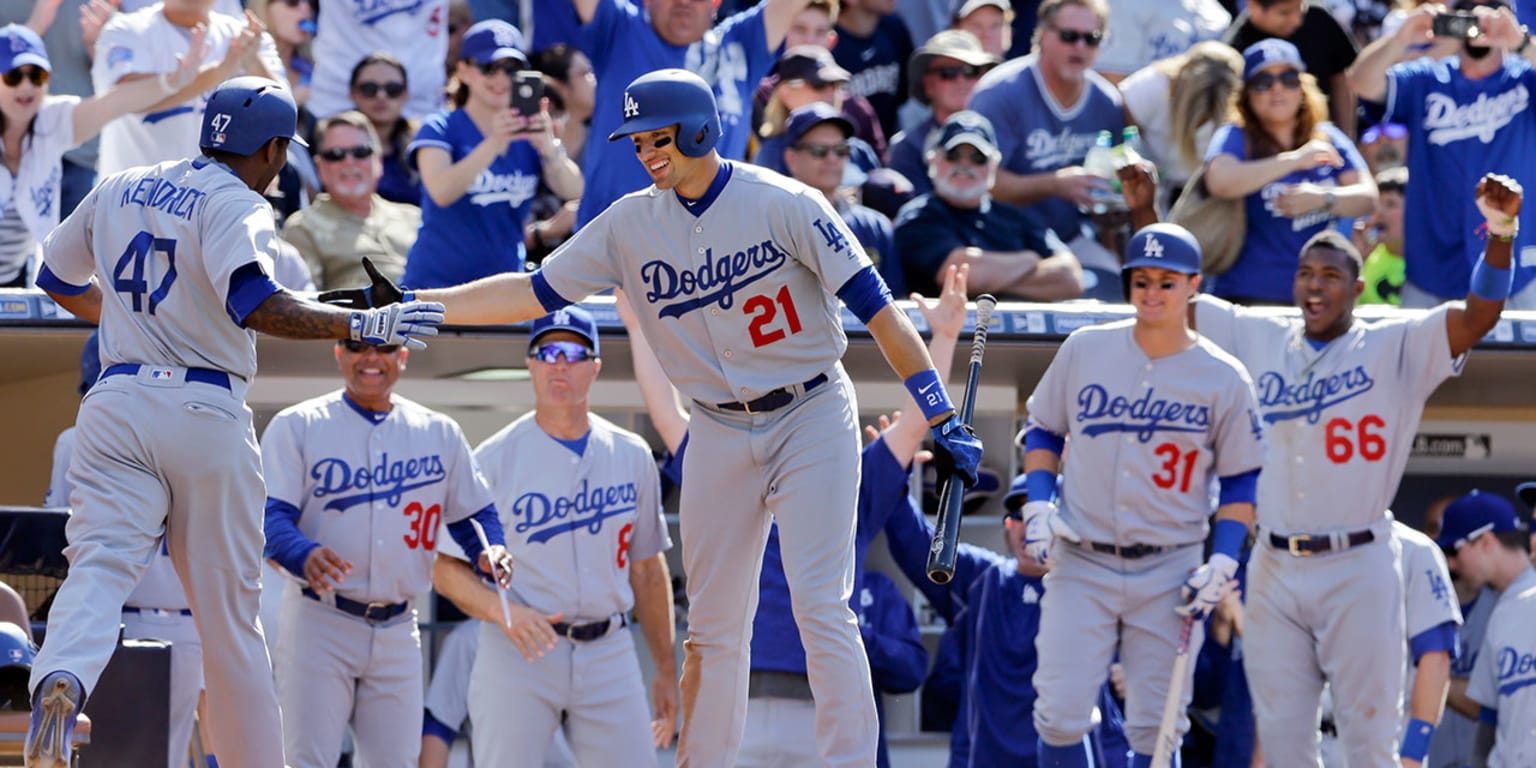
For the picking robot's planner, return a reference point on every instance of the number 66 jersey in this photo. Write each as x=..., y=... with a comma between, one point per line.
x=1340, y=417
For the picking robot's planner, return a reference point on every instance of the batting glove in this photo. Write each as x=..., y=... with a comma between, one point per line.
x=957, y=449
x=380, y=292
x=398, y=324
x=1043, y=523
x=1205, y=588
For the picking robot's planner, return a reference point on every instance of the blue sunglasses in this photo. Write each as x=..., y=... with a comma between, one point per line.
x=550, y=352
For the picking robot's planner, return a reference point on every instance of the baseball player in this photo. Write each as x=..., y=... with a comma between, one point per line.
x=1491, y=547
x=1173, y=417
x=359, y=482
x=1332, y=393
x=583, y=504
x=1431, y=617
x=173, y=262
x=742, y=312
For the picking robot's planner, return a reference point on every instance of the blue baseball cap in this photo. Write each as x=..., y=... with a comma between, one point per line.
x=492, y=40
x=573, y=319
x=1017, y=494
x=1473, y=515
x=1267, y=53
x=968, y=127
x=1164, y=246
x=812, y=115
x=19, y=46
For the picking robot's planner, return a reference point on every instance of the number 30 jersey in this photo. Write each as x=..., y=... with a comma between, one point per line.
x=375, y=487
x=735, y=290
x=182, y=253
x=1341, y=416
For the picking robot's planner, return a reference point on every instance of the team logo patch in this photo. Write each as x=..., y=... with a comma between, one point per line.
x=1153, y=249
x=631, y=107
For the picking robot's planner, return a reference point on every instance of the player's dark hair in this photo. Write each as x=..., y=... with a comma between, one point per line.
x=1393, y=180
x=1330, y=238
x=1518, y=540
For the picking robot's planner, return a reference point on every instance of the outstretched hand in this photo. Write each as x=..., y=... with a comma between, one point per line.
x=946, y=317
x=1138, y=184
x=380, y=292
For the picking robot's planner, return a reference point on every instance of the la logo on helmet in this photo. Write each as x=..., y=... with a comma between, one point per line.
x=631, y=107
x=1152, y=249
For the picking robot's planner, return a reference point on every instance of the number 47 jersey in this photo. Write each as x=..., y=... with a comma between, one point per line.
x=181, y=251
x=1340, y=417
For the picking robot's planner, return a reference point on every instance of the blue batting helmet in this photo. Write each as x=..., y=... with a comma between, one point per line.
x=1164, y=246
x=245, y=113
x=672, y=97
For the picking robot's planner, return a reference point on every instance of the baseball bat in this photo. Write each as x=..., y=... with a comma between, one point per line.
x=1168, y=733
x=946, y=535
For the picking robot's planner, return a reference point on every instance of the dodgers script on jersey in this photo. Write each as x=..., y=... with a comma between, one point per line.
x=415, y=31
x=735, y=305
x=376, y=490
x=575, y=523
x=1504, y=678
x=1169, y=425
x=1344, y=414
x=131, y=230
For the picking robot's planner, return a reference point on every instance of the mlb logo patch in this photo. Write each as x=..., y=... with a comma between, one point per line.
x=161, y=374
x=15, y=654
x=119, y=54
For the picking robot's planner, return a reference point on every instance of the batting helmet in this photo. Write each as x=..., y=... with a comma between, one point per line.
x=672, y=97
x=244, y=113
x=1164, y=246
x=16, y=652
x=90, y=363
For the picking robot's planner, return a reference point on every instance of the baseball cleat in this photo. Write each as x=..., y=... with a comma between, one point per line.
x=52, y=729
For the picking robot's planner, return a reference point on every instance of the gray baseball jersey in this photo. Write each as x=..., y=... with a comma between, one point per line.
x=1429, y=600
x=1344, y=415
x=377, y=488
x=1149, y=436
x=166, y=239
x=1452, y=744
x=735, y=305
x=1504, y=677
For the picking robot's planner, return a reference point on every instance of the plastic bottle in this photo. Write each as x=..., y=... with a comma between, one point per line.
x=1102, y=161
x=1131, y=149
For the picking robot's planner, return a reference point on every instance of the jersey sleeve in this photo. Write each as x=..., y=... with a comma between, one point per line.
x=749, y=29
x=892, y=639
x=53, y=131
x=596, y=37
x=120, y=52
x=238, y=231
x=650, y=537
x=1424, y=357
x=282, y=459
x=882, y=492
x=1353, y=160
x=67, y=251
x=1239, y=429
x=585, y=264
x=468, y=491
x=1238, y=333
x=821, y=241
x=1483, y=684
x=432, y=133
x=1406, y=84
x=1227, y=140
x=1048, y=405
x=1428, y=598
x=447, y=695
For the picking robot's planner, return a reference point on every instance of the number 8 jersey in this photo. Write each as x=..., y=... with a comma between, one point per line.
x=1341, y=416
x=375, y=487
x=182, y=252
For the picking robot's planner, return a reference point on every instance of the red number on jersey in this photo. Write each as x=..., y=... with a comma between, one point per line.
x=1340, y=448
x=624, y=533
x=764, y=310
x=435, y=22
x=424, y=522
x=1172, y=473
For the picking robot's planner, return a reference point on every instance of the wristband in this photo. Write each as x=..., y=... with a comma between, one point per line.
x=1490, y=282
x=1227, y=538
x=1416, y=739
x=1040, y=484
x=926, y=388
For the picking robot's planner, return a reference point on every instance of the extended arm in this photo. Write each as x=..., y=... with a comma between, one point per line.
x=139, y=93
x=1024, y=273
x=1499, y=198
x=494, y=300
x=902, y=347
x=1426, y=703
x=1367, y=77
x=778, y=15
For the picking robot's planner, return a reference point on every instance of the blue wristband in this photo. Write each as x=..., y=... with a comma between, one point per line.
x=928, y=390
x=1416, y=739
x=1490, y=282
x=1227, y=538
x=1040, y=484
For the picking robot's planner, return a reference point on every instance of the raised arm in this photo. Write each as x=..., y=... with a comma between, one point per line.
x=138, y=95
x=585, y=9
x=1499, y=198
x=778, y=15
x=946, y=317
x=1367, y=77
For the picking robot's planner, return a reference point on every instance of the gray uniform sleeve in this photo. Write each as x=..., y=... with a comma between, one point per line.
x=1239, y=431
x=650, y=537
x=1049, y=405
x=823, y=242
x=1483, y=685
x=1427, y=595
x=67, y=249
x=282, y=459
x=468, y=492
x=1426, y=359
x=238, y=230
x=587, y=263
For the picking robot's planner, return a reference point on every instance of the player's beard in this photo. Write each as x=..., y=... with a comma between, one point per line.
x=1476, y=52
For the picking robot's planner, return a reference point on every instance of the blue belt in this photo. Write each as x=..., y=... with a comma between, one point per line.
x=370, y=612
x=773, y=400
x=152, y=611
x=200, y=375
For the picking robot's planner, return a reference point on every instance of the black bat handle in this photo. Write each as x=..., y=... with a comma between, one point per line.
x=946, y=535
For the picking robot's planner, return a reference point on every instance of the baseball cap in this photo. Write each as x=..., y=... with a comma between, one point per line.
x=1017, y=494
x=968, y=127
x=1473, y=515
x=812, y=115
x=492, y=40
x=1526, y=493
x=1267, y=53
x=964, y=8
x=573, y=319
x=811, y=63
x=20, y=45
x=956, y=44
x=1164, y=246
x=16, y=654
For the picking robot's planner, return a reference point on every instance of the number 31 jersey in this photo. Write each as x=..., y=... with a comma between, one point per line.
x=182, y=252
x=1340, y=417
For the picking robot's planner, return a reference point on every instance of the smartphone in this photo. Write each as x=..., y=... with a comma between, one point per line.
x=527, y=92
x=1461, y=24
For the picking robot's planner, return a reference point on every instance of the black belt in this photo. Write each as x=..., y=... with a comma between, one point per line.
x=586, y=633
x=370, y=612
x=200, y=375
x=770, y=684
x=1306, y=544
x=773, y=400
x=1126, y=551
x=137, y=610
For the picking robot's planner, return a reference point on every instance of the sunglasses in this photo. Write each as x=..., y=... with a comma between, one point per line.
x=505, y=66
x=550, y=352
x=338, y=154
x=1289, y=79
x=1375, y=133
x=1073, y=37
x=370, y=89
x=359, y=347
x=37, y=75
x=292, y=3
x=820, y=151
x=970, y=155
x=956, y=72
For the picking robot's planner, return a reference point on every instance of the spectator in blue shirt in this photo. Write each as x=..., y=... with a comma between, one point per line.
x=873, y=43
x=943, y=73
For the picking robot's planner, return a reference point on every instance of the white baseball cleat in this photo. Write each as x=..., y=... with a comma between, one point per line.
x=54, y=707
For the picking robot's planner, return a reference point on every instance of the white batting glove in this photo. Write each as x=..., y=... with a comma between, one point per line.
x=1205, y=588
x=398, y=324
x=1043, y=523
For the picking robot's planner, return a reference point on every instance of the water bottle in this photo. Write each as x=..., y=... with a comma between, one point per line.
x=1131, y=150
x=1101, y=161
